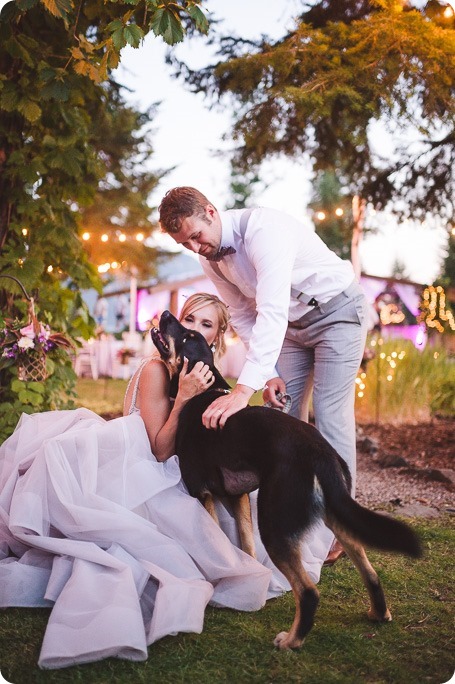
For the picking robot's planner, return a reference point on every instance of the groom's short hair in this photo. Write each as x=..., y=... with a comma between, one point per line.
x=179, y=203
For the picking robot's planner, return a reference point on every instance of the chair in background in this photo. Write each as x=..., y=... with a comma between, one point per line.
x=86, y=360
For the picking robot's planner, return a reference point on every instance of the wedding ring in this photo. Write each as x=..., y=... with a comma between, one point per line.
x=220, y=412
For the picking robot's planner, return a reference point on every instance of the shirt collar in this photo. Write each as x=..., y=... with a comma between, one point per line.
x=227, y=229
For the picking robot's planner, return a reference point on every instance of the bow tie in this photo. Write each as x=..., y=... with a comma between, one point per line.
x=222, y=252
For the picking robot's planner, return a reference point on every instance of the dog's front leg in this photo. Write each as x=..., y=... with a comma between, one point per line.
x=242, y=514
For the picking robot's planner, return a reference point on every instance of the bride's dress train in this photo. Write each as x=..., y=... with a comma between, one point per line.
x=92, y=526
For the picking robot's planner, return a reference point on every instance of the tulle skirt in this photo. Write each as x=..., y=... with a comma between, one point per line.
x=93, y=527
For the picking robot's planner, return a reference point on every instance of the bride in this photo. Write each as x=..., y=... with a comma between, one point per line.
x=96, y=524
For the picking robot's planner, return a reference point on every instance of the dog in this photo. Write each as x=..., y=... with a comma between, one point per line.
x=299, y=476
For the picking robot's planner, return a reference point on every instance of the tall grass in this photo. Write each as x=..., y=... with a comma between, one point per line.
x=404, y=384
x=401, y=384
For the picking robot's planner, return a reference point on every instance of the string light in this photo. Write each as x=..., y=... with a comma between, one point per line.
x=433, y=309
x=391, y=314
x=392, y=364
x=112, y=236
x=24, y=232
x=120, y=236
x=322, y=215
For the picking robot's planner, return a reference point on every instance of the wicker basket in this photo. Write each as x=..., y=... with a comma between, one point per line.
x=33, y=368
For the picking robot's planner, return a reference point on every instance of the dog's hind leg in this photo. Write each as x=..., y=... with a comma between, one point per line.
x=356, y=552
x=242, y=514
x=208, y=502
x=306, y=596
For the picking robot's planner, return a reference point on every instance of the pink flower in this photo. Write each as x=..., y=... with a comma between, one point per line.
x=29, y=331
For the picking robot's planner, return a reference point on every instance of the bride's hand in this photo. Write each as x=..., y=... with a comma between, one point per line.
x=196, y=381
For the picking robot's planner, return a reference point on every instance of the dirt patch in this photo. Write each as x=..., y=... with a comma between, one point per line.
x=407, y=464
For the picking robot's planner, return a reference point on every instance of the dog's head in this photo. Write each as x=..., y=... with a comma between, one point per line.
x=174, y=342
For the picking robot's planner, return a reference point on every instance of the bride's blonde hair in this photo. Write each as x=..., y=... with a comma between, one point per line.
x=201, y=299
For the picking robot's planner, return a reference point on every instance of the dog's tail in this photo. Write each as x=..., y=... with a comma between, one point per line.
x=371, y=528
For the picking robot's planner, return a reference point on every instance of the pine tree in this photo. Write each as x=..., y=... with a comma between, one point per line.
x=317, y=90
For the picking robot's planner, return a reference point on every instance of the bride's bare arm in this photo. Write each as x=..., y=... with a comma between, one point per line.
x=159, y=414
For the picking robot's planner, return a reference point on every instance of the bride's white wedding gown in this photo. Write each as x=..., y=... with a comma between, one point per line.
x=93, y=527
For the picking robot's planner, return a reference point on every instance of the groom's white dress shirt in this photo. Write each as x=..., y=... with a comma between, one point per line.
x=278, y=253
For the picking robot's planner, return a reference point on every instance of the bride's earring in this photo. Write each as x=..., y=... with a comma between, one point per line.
x=213, y=346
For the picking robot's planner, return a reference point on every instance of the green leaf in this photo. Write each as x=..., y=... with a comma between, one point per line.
x=30, y=110
x=29, y=397
x=6, y=362
x=67, y=160
x=9, y=98
x=167, y=25
x=56, y=90
x=114, y=25
x=36, y=387
x=26, y=4
x=15, y=49
x=50, y=366
x=118, y=39
x=17, y=386
x=199, y=18
x=133, y=35
x=32, y=269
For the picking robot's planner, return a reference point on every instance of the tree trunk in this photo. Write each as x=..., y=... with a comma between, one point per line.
x=358, y=213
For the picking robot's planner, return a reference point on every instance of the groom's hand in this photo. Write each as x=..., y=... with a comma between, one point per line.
x=275, y=386
x=219, y=410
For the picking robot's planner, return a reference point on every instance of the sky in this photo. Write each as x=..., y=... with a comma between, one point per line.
x=189, y=137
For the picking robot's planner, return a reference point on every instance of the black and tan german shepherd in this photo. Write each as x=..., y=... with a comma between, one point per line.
x=300, y=478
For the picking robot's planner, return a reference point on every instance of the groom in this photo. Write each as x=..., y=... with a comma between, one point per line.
x=294, y=303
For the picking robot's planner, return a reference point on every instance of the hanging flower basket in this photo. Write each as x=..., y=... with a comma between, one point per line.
x=27, y=346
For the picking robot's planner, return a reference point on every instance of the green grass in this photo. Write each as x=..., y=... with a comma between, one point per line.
x=106, y=394
x=101, y=396
x=343, y=647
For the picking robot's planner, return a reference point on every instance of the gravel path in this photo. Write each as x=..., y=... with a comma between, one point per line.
x=423, y=456
x=379, y=486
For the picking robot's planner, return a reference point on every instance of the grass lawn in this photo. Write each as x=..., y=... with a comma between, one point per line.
x=105, y=395
x=344, y=647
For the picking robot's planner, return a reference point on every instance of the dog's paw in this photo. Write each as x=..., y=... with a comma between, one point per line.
x=372, y=615
x=284, y=641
